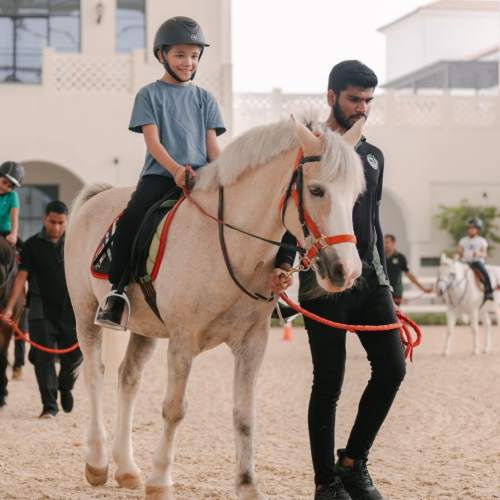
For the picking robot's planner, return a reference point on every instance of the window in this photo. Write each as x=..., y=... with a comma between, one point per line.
x=28, y=25
x=130, y=25
x=33, y=200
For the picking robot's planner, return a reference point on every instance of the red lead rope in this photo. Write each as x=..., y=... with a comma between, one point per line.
x=404, y=331
x=34, y=344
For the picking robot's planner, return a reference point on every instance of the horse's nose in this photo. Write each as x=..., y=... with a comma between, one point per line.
x=338, y=273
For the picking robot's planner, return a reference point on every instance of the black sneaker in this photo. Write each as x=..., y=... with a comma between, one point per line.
x=357, y=480
x=48, y=414
x=67, y=401
x=332, y=490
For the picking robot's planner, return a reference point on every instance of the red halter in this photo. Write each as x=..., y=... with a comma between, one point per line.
x=308, y=226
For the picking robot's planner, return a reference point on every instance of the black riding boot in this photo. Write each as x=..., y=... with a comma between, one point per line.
x=112, y=313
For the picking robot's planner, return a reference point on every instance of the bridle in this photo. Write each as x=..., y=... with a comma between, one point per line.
x=315, y=240
x=449, y=284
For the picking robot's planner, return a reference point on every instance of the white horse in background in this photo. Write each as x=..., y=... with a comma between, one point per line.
x=200, y=305
x=457, y=284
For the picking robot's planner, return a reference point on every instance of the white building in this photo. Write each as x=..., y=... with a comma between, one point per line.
x=69, y=72
x=437, y=120
x=442, y=143
x=456, y=30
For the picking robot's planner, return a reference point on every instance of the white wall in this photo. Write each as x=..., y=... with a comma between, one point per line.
x=429, y=36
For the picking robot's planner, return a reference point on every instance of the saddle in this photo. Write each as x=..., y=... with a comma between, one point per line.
x=147, y=249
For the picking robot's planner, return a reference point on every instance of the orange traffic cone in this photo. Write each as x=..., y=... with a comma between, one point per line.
x=287, y=331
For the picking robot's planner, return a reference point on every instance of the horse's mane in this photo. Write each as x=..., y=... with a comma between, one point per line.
x=7, y=253
x=261, y=144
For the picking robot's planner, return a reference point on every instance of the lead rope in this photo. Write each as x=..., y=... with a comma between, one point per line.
x=404, y=331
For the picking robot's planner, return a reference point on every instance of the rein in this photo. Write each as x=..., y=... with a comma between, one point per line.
x=309, y=254
x=295, y=191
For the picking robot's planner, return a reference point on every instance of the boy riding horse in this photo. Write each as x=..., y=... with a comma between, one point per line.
x=473, y=250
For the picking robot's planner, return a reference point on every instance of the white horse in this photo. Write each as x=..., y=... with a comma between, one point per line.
x=200, y=306
x=457, y=284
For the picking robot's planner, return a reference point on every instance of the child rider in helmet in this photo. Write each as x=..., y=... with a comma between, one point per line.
x=472, y=249
x=11, y=177
x=180, y=123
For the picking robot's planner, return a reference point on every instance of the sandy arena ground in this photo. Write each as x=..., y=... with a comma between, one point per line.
x=441, y=440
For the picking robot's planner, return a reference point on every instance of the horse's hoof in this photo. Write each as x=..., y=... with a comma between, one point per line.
x=159, y=493
x=96, y=477
x=446, y=354
x=128, y=480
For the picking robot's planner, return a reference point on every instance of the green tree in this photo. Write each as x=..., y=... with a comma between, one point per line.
x=454, y=220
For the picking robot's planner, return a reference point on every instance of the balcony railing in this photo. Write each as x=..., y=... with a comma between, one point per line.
x=391, y=109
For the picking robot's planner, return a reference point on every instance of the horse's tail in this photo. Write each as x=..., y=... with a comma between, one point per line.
x=88, y=192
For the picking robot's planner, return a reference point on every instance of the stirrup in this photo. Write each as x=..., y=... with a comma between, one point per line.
x=120, y=328
x=283, y=321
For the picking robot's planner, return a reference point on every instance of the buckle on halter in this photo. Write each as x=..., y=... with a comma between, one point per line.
x=322, y=242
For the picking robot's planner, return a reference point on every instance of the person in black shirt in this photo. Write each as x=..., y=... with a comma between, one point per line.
x=350, y=93
x=51, y=317
x=396, y=266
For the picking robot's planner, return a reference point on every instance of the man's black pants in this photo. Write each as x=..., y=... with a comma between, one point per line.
x=48, y=334
x=20, y=344
x=150, y=190
x=365, y=306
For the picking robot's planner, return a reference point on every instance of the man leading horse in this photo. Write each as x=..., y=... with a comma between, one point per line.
x=350, y=94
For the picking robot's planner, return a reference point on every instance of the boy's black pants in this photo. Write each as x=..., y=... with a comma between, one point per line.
x=49, y=333
x=150, y=190
x=365, y=306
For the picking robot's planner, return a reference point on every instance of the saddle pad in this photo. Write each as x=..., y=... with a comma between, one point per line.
x=100, y=269
x=149, y=259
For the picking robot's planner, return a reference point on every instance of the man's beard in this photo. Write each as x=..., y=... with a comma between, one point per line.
x=342, y=120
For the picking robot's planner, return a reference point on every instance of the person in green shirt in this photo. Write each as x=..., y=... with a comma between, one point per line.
x=11, y=176
x=396, y=266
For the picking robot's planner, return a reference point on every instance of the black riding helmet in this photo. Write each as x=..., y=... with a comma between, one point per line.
x=475, y=222
x=177, y=31
x=13, y=172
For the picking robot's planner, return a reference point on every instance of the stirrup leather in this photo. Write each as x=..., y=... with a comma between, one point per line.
x=113, y=293
x=283, y=321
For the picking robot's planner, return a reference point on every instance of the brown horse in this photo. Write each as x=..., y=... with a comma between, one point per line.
x=8, y=270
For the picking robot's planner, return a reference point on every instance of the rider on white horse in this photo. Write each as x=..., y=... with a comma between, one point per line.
x=472, y=250
x=163, y=111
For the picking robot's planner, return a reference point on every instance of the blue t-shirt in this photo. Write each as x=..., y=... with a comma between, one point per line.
x=183, y=114
x=7, y=201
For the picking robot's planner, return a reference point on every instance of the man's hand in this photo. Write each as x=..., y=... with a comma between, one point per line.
x=397, y=308
x=279, y=282
x=11, y=238
x=7, y=314
x=427, y=290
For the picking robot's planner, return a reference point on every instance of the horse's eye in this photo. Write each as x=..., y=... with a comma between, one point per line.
x=316, y=191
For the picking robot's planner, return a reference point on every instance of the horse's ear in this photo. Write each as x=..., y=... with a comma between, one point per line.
x=309, y=142
x=353, y=135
